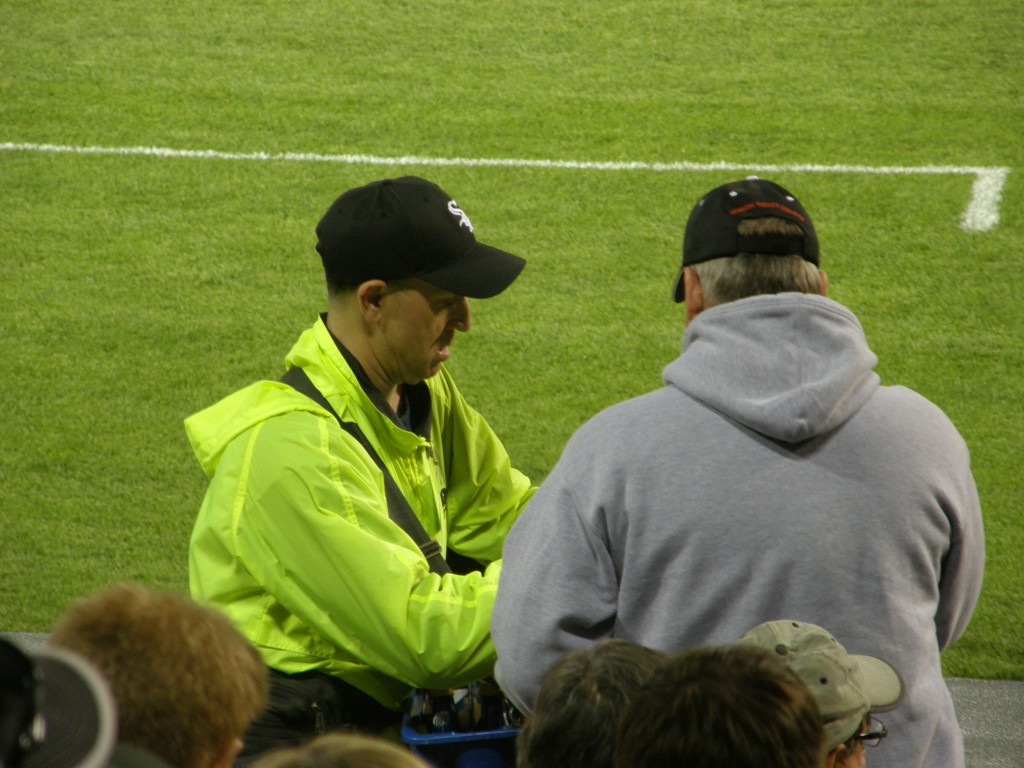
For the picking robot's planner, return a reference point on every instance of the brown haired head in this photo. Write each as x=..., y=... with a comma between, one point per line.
x=342, y=750
x=187, y=684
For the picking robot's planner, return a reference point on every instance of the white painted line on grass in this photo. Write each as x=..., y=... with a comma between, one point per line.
x=981, y=214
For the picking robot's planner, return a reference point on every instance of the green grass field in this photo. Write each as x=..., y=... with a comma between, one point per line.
x=137, y=288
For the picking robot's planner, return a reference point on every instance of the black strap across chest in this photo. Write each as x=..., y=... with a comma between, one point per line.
x=398, y=507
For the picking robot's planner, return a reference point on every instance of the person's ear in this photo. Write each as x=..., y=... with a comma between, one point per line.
x=369, y=295
x=824, y=282
x=693, y=296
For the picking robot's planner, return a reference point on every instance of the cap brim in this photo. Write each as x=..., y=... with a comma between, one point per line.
x=79, y=710
x=882, y=683
x=482, y=273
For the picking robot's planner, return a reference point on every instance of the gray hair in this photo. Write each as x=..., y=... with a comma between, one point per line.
x=751, y=274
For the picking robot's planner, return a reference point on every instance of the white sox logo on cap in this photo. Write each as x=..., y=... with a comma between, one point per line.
x=454, y=210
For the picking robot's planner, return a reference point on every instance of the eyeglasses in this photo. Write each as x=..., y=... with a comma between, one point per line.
x=876, y=731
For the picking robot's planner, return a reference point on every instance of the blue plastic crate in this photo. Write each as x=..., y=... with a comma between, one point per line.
x=472, y=749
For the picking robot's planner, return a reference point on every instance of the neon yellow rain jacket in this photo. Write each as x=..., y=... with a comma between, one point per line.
x=294, y=543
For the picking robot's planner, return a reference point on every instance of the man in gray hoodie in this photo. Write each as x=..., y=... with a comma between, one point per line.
x=772, y=476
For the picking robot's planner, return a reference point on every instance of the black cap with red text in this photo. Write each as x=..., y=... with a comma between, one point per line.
x=712, y=228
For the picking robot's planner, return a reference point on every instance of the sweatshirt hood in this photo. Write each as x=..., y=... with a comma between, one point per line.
x=789, y=366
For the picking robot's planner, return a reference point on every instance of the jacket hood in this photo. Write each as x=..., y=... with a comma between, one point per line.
x=211, y=430
x=789, y=366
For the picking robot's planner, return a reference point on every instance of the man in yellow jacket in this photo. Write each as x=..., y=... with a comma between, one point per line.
x=297, y=539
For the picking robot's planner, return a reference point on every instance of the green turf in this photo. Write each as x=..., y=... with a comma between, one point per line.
x=136, y=290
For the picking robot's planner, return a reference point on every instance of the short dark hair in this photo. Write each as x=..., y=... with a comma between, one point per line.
x=737, y=706
x=574, y=719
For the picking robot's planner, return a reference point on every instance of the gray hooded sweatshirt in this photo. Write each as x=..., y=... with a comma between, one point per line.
x=772, y=477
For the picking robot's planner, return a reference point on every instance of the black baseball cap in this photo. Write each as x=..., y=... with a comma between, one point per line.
x=711, y=229
x=55, y=709
x=409, y=227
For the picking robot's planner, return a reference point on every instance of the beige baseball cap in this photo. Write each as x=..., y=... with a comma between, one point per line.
x=846, y=686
